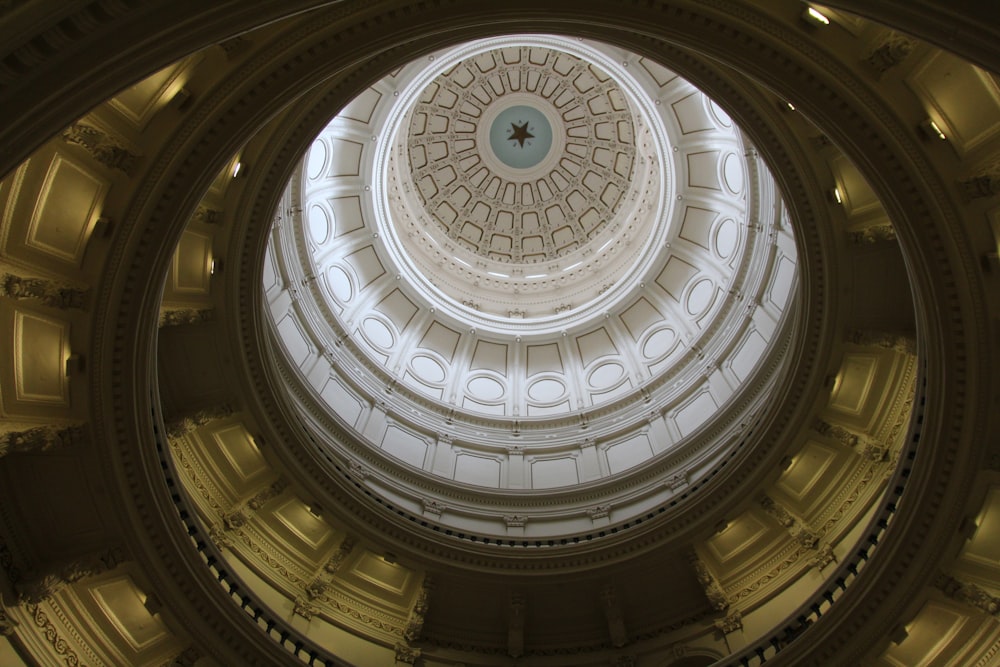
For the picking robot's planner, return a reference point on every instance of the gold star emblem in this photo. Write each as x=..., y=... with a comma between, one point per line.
x=519, y=133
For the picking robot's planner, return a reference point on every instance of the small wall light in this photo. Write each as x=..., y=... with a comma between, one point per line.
x=237, y=168
x=74, y=364
x=215, y=266
x=836, y=197
x=814, y=17
x=932, y=130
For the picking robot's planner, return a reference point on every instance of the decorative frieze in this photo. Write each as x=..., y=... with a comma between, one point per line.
x=515, y=520
x=46, y=292
x=304, y=608
x=599, y=511
x=967, y=593
x=181, y=426
x=39, y=585
x=824, y=556
x=333, y=565
x=207, y=216
x=732, y=622
x=173, y=317
x=41, y=438
x=883, y=339
x=778, y=511
x=103, y=148
x=406, y=655
x=890, y=52
x=186, y=658
x=873, y=234
x=418, y=614
x=713, y=591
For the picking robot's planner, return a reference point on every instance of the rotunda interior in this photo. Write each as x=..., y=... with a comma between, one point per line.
x=374, y=333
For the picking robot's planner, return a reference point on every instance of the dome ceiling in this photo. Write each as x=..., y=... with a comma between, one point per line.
x=641, y=346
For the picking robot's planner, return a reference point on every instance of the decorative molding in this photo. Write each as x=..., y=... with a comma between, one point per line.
x=713, y=591
x=304, y=608
x=8, y=625
x=181, y=426
x=37, y=585
x=406, y=655
x=824, y=556
x=730, y=623
x=103, y=148
x=48, y=292
x=51, y=633
x=778, y=511
x=333, y=565
x=186, y=658
x=172, y=317
x=967, y=593
x=890, y=52
x=883, y=339
x=42, y=439
x=418, y=614
x=873, y=234
x=206, y=215
x=515, y=520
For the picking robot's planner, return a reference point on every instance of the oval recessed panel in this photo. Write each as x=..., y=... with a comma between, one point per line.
x=340, y=284
x=732, y=173
x=319, y=225
x=427, y=369
x=378, y=333
x=659, y=343
x=546, y=390
x=727, y=234
x=700, y=296
x=606, y=375
x=317, y=159
x=485, y=388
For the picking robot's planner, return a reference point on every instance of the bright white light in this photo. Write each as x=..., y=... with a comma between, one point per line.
x=817, y=16
x=498, y=275
x=236, y=169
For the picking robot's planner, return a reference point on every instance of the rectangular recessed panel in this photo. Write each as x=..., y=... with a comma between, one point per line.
x=962, y=98
x=703, y=170
x=366, y=265
x=661, y=75
x=747, y=355
x=808, y=468
x=694, y=414
x=192, y=263
x=398, y=308
x=362, y=107
x=629, y=453
x=302, y=523
x=238, y=447
x=854, y=383
x=549, y=473
x=674, y=276
x=691, y=114
x=477, y=470
x=376, y=570
x=594, y=345
x=345, y=157
x=741, y=538
x=489, y=356
x=441, y=339
x=404, y=445
x=784, y=280
x=543, y=359
x=640, y=316
x=123, y=604
x=295, y=341
x=68, y=204
x=485, y=408
x=347, y=216
x=342, y=401
x=697, y=225
x=41, y=346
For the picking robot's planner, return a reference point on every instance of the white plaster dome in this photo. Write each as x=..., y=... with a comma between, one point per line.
x=452, y=362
